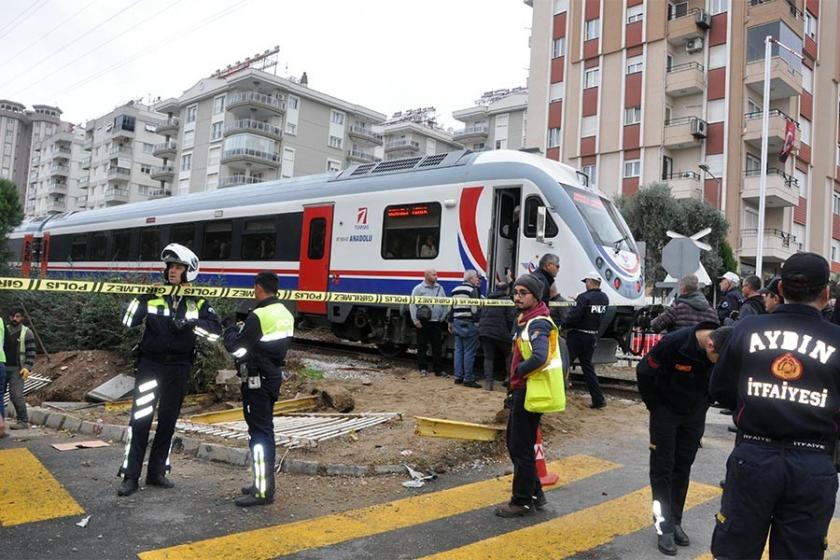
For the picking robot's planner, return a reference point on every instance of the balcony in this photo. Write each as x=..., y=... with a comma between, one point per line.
x=85, y=163
x=119, y=174
x=684, y=132
x=120, y=150
x=55, y=205
x=683, y=27
x=362, y=156
x=685, y=184
x=84, y=182
x=81, y=201
x=247, y=155
x=115, y=195
x=402, y=144
x=56, y=187
x=778, y=245
x=260, y=103
x=782, y=190
x=169, y=126
x=766, y=11
x=88, y=143
x=685, y=79
x=785, y=81
x=165, y=150
x=159, y=193
x=59, y=170
x=254, y=127
x=61, y=152
x=471, y=132
x=366, y=133
x=122, y=134
x=236, y=180
x=162, y=173
x=775, y=132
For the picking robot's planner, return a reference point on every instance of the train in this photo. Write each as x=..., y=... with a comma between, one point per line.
x=372, y=228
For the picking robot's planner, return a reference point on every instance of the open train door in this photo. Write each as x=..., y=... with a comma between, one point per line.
x=315, y=245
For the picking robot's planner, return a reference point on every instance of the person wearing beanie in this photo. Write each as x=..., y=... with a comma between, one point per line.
x=533, y=329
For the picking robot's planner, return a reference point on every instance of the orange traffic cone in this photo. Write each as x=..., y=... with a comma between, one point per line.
x=546, y=478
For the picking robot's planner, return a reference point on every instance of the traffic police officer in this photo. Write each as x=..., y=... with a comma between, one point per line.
x=674, y=383
x=781, y=374
x=584, y=324
x=731, y=296
x=166, y=354
x=259, y=346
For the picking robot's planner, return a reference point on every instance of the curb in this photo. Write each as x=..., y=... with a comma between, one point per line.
x=202, y=450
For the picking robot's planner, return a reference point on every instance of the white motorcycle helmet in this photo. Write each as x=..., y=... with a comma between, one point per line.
x=177, y=253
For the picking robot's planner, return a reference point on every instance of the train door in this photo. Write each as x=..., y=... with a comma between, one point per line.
x=315, y=245
x=537, y=232
x=504, y=235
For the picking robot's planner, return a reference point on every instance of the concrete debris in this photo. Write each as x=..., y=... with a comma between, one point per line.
x=114, y=389
x=84, y=522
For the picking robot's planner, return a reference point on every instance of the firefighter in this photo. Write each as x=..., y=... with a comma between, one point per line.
x=165, y=356
x=259, y=345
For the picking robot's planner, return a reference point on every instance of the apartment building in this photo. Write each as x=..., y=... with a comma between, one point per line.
x=19, y=129
x=416, y=133
x=55, y=173
x=249, y=126
x=638, y=91
x=497, y=121
x=120, y=158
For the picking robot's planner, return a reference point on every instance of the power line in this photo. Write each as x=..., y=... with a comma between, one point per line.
x=77, y=39
x=169, y=6
x=46, y=34
x=30, y=11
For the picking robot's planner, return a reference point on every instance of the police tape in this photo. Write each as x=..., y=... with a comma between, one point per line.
x=118, y=288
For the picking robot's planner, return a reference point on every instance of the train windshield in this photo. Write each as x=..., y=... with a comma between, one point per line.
x=603, y=220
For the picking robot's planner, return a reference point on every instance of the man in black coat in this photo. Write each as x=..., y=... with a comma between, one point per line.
x=495, y=329
x=730, y=296
x=584, y=325
x=547, y=272
x=753, y=300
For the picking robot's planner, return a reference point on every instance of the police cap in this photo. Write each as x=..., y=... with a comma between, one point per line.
x=805, y=271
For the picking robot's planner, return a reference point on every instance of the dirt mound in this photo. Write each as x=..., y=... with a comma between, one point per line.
x=76, y=372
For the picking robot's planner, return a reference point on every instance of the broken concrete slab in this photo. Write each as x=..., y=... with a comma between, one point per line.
x=55, y=420
x=71, y=424
x=114, y=389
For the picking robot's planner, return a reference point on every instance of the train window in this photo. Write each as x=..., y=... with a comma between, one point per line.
x=530, y=229
x=149, y=244
x=99, y=246
x=288, y=246
x=217, y=236
x=259, y=238
x=317, y=238
x=78, y=247
x=121, y=243
x=183, y=234
x=411, y=231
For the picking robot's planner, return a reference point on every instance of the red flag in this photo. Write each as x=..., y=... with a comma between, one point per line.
x=790, y=138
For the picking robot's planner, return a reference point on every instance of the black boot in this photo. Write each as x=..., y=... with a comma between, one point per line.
x=666, y=544
x=247, y=490
x=128, y=487
x=251, y=500
x=159, y=480
x=680, y=537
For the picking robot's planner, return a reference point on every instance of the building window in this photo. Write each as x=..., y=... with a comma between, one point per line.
x=810, y=25
x=411, y=231
x=288, y=167
x=835, y=204
x=189, y=139
x=591, y=171
x=214, y=155
x=333, y=166
x=218, y=104
x=807, y=79
x=186, y=162
x=145, y=168
x=216, y=131
x=501, y=144
x=592, y=29
x=212, y=181
x=835, y=250
x=556, y=91
x=292, y=103
x=805, y=130
x=561, y=6
x=588, y=126
x=635, y=64
x=148, y=148
x=718, y=6
x=335, y=142
x=592, y=78
x=635, y=13
x=559, y=48
x=191, y=113
x=753, y=106
x=801, y=181
x=632, y=115
x=337, y=118
x=632, y=168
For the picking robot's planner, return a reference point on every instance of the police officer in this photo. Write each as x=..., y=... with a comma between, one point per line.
x=781, y=374
x=584, y=324
x=731, y=297
x=166, y=353
x=259, y=346
x=674, y=383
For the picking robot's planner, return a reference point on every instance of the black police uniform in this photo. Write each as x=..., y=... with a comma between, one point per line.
x=730, y=302
x=674, y=383
x=166, y=354
x=584, y=323
x=260, y=356
x=780, y=373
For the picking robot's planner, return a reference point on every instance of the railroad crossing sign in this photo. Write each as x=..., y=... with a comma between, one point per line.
x=680, y=257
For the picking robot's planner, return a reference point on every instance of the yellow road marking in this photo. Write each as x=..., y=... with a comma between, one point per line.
x=280, y=540
x=833, y=543
x=28, y=492
x=575, y=532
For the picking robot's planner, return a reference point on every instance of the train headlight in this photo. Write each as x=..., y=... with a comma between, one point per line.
x=638, y=286
x=608, y=274
x=617, y=282
x=599, y=262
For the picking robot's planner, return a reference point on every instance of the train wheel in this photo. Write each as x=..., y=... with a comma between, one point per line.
x=391, y=349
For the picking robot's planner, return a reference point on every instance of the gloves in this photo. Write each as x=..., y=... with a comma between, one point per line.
x=228, y=322
x=183, y=324
x=24, y=372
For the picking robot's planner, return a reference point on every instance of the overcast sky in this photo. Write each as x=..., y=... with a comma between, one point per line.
x=88, y=56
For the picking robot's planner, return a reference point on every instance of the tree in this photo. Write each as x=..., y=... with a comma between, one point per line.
x=652, y=211
x=11, y=213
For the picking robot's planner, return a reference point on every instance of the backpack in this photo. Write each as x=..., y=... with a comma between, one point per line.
x=424, y=312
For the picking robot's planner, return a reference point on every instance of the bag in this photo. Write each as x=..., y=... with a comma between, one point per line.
x=424, y=313
x=545, y=392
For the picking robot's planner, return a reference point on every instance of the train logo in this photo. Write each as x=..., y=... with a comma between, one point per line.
x=361, y=216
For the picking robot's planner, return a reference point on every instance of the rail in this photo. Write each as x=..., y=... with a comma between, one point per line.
x=773, y=113
x=790, y=181
x=682, y=175
x=686, y=66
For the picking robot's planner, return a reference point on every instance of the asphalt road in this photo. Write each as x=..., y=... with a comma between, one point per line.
x=600, y=509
